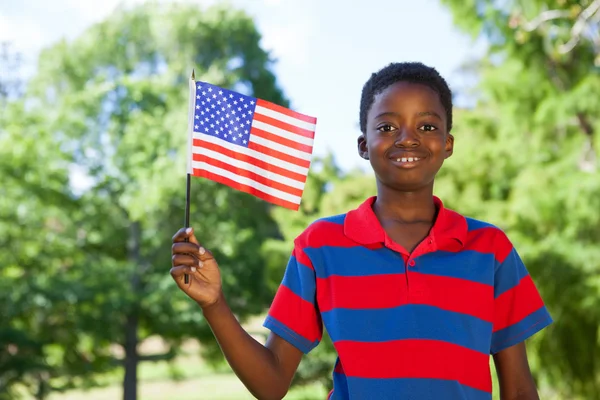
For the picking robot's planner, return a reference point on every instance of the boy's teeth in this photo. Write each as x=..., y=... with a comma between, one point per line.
x=407, y=159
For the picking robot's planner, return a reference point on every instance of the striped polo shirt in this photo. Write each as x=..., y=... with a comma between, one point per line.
x=418, y=325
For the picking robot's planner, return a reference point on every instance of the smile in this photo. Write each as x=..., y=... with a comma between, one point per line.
x=407, y=162
x=407, y=159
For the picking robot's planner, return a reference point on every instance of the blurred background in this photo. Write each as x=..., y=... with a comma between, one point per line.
x=93, y=118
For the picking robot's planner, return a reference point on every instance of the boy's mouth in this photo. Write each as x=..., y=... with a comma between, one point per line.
x=406, y=161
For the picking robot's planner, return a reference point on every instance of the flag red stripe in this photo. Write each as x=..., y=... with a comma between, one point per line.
x=281, y=140
x=283, y=125
x=286, y=111
x=278, y=154
x=246, y=189
x=250, y=175
x=249, y=159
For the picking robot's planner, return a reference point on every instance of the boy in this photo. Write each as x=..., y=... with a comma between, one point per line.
x=414, y=296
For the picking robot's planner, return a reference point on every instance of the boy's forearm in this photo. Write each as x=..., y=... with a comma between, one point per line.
x=529, y=395
x=254, y=364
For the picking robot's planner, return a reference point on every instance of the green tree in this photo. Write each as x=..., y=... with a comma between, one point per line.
x=111, y=108
x=526, y=159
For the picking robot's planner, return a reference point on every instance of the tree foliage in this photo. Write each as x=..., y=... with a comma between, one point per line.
x=95, y=159
x=526, y=159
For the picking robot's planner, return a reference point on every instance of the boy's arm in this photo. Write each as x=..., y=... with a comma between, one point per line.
x=266, y=371
x=514, y=376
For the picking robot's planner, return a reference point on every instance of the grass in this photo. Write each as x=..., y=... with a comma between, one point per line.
x=194, y=379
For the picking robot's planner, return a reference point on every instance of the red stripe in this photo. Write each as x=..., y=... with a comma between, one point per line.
x=283, y=125
x=454, y=294
x=416, y=359
x=325, y=233
x=489, y=240
x=297, y=314
x=376, y=291
x=249, y=159
x=281, y=140
x=301, y=257
x=249, y=174
x=516, y=303
x=278, y=154
x=286, y=111
x=245, y=189
x=390, y=290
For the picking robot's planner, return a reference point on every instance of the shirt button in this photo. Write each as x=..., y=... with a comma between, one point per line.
x=412, y=263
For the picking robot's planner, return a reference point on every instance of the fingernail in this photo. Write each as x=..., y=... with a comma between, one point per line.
x=193, y=269
x=200, y=264
x=201, y=250
x=188, y=230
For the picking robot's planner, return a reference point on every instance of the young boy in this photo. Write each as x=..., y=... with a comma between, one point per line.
x=414, y=296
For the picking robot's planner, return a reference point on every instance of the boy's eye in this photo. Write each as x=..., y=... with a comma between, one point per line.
x=428, y=128
x=386, y=128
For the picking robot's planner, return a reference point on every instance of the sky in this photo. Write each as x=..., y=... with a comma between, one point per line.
x=325, y=49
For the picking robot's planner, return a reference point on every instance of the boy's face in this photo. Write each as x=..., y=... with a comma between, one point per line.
x=406, y=139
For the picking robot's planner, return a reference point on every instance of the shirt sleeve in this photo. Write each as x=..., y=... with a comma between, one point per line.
x=519, y=311
x=294, y=314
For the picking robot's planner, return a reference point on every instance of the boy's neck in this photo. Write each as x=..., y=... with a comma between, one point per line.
x=405, y=207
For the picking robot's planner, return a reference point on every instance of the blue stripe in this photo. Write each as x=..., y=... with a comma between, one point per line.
x=354, y=261
x=509, y=273
x=469, y=265
x=409, y=322
x=289, y=335
x=300, y=279
x=521, y=331
x=474, y=224
x=409, y=388
x=336, y=219
x=340, y=387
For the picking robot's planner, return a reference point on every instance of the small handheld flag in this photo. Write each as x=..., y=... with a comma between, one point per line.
x=249, y=144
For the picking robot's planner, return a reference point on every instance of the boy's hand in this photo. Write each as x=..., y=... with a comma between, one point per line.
x=191, y=258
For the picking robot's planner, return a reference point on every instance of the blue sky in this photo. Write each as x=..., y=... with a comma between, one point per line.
x=326, y=49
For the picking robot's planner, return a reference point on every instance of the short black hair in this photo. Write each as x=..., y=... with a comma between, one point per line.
x=413, y=72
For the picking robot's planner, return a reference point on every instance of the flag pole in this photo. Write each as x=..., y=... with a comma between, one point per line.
x=186, y=277
x=192, y=100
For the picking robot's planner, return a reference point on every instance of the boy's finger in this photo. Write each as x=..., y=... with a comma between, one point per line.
x=179, y=236
x=191, y=237
x=178, y=272
x=185, y=259
x=184, y=248
x=185, y=235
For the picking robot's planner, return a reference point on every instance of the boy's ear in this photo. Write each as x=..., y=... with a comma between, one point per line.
x=362, y=147
x=449, y=145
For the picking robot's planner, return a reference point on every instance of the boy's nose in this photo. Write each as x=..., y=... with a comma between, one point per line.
x=406, y=138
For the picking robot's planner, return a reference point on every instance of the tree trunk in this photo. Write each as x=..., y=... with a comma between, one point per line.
x=131, y=358
x=131, y=324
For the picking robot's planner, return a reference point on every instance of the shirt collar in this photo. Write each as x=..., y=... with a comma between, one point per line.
x=362, y=225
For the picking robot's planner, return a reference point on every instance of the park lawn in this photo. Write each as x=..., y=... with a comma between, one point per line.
x=195, y=380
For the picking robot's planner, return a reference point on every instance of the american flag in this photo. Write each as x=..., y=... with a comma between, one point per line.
x=249, y=144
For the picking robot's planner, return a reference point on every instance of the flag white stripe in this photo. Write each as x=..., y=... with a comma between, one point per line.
x=280, y=147
x=252, y=153
x=285, y=118
x=246, y=181
x=283, y=133
x=250, y=167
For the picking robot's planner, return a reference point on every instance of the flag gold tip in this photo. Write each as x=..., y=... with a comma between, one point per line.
x=193, y=75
